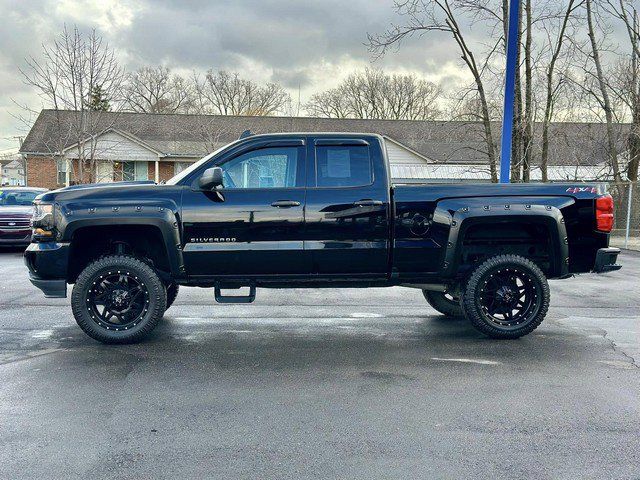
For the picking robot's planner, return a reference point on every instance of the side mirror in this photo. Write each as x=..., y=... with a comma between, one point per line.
x=211, y=178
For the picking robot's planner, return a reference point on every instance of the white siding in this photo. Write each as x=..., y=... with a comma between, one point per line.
x=474, y=173
x=115, y=147
x=399, y=155
x=104, y=172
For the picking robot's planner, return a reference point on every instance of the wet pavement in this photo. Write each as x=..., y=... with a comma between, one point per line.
x=358, y=383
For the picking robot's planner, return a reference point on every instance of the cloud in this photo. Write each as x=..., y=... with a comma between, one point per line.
x=309, y=44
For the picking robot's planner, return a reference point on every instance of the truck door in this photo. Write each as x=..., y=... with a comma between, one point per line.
x=253, y=225
x=347, y=212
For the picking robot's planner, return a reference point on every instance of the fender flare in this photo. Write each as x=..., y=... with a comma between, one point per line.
x=494, y=210
x=143, y=213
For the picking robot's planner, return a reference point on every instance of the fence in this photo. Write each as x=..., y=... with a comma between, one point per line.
x=626, y=228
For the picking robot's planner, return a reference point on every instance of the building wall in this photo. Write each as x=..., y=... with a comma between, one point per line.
x=42, y=172
x=115, y=147
x=400, y=156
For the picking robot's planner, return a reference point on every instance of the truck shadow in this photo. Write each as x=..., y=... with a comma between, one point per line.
x=293, y=344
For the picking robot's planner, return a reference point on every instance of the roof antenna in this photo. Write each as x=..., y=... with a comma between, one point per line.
x=245, y=134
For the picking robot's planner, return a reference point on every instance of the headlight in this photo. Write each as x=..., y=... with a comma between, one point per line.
x=43, y=221
x=41, y=211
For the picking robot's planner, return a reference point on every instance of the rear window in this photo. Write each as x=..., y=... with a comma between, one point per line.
x=17, y=197
x=343, y=166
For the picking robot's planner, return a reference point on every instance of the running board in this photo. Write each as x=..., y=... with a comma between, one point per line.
x=235, y=298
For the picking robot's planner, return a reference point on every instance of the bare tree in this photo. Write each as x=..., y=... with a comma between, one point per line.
x=330, y=103
x=66, y=77
x=157, y=90
x=224, y=93
x=375, y=94
x=628, y=76
x=424, y=17
x=552, y=87
x=601, y=94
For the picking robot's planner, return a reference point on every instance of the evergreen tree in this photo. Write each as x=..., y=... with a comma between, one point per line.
x=98, y=100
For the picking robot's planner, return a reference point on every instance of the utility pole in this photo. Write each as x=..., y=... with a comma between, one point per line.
x=509, y=90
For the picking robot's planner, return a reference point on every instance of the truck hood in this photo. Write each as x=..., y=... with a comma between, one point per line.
x=90, y=189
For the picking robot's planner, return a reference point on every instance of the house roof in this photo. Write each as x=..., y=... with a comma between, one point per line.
x=182, y=135
x=14, y=164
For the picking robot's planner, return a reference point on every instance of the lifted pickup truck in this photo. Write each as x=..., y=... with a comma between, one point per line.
x=314, y=210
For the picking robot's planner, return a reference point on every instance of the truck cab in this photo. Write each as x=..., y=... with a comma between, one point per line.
x=313, y=210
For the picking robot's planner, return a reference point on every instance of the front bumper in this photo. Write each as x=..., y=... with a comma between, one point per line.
x=13, y=236
x=606, y=260
x=47, y=263
x=50, y=288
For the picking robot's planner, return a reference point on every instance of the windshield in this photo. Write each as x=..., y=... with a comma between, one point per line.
x=187, y=171
x=13, y=198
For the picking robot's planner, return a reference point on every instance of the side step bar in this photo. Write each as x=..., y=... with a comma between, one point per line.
x=235, y=298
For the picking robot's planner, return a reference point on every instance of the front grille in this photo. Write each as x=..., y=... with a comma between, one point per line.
x=17, y=223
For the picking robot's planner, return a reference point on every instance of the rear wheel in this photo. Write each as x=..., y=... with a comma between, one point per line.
x=506, y=297
x=444, y=302
x=118, y=299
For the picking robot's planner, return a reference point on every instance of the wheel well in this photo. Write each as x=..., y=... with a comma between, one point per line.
x=530, y=240
x=141, y=241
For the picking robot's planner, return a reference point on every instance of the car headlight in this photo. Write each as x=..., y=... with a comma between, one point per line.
x=41, y=211
x=43, y=221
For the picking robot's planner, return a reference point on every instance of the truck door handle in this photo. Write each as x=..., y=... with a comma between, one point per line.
x=285, y=203
x=367, y=202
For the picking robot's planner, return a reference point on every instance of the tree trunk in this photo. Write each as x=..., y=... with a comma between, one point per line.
x=516, y=146
x=527, y=134
x=606, y=102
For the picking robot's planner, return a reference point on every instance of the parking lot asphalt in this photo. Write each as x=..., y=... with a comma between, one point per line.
x=364, y=384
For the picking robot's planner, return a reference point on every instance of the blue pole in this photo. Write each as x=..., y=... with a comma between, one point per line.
x=509, y=91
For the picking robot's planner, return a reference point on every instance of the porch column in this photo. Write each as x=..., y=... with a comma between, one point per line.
x=67, y=174
x=157, y=179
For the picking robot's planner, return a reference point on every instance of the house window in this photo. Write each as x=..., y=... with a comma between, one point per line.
x=178, y=167
x=135, y=171
x=62, y=166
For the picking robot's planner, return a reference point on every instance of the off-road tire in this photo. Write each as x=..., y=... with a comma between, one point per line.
x=444, y=305
x=473, y=295
x=155, y=290
x=172, y=293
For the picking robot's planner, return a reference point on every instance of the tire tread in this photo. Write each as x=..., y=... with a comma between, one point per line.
x=468, y=298
x=155, y=288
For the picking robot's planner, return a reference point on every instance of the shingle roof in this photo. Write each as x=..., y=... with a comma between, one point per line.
x=196, y=135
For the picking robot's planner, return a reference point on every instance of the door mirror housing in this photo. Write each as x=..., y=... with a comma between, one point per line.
x=210, y=179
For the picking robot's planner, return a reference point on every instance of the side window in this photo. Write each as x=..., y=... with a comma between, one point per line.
x=343, y=166
x=280, y=167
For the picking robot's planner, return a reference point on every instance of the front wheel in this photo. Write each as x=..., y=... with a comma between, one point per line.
x=118, y=299
x=506, y=297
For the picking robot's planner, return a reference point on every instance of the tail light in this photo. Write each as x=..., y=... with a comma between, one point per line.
x=604, y=213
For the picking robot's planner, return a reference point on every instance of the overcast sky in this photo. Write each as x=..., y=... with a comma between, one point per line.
x=311, y=44
x=306, y=44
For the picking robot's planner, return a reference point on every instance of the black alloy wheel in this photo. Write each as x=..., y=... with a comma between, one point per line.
x=506, y=297
x=118, y=300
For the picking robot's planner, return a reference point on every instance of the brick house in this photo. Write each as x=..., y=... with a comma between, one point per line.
x=140, y=146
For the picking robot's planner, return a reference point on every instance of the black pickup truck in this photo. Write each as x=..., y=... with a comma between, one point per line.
x=313, y=210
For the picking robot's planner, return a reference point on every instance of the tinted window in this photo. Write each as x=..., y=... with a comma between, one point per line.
x=13, y=197
x=265, y=168
x=343, y=166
